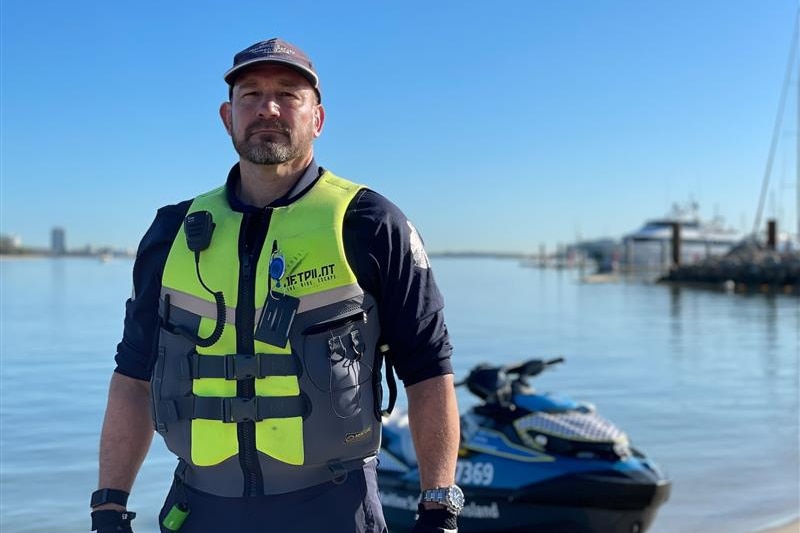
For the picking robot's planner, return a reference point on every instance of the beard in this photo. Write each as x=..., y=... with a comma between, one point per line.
x=271, y=152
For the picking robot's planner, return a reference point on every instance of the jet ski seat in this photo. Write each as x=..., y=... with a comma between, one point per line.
x=397, y=426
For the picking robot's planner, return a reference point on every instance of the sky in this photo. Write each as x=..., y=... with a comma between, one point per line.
x=497, y=126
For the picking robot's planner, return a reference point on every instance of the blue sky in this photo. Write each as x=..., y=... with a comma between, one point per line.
x=494, y=126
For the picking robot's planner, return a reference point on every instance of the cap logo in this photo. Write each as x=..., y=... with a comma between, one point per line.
x=273, y=48
x=274, y=51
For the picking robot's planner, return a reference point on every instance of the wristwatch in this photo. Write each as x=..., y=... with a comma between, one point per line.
x=103, y=496
x=450, y=497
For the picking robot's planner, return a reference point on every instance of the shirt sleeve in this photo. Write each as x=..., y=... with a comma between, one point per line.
x=388, y=258
x=136, y=353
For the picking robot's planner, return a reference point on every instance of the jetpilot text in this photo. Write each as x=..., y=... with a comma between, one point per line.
x=311, y=276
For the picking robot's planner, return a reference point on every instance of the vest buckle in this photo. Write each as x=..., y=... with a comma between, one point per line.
x=242, y=366
x=239, y=410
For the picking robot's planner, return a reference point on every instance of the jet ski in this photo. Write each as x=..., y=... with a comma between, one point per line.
x=529, y=462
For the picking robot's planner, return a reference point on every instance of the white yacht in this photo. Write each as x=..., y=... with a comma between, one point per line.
x=651, y=245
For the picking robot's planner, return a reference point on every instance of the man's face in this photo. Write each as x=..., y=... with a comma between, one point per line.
x=273, y=116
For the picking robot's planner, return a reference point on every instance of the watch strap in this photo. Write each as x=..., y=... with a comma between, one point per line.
x=103, y=496
x=433, y=495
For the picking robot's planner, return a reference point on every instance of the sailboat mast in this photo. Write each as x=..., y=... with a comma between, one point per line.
x=778, y=119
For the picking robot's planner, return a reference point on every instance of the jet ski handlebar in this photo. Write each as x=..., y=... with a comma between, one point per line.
x=532, y=368
x=496, y=383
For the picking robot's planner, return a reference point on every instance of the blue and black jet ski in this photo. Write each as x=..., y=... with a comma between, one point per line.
x=529, y=462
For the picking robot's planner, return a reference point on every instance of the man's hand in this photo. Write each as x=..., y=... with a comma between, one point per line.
x=112, y=521
x=435, y=521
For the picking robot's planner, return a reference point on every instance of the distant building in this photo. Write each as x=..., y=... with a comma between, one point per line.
x=58, y=241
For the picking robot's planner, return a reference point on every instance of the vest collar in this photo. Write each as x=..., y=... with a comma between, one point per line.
x=309, y=178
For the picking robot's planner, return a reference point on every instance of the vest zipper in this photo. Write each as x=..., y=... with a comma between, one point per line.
x=353, y=318
x=252, y=234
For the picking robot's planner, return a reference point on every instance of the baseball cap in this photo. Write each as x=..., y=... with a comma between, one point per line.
x=275, y=51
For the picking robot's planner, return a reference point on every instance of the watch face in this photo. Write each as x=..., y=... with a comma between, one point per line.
x=455, y=497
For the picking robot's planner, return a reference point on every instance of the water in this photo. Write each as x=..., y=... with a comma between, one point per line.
x=704, y=382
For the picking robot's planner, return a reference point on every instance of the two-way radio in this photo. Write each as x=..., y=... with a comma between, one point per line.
x=198, y=227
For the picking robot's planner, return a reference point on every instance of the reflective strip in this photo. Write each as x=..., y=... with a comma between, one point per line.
x=198, y=306
x=207, y=309
x=321, y=299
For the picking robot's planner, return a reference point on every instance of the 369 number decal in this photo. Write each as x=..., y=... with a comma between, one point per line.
x=469, y=473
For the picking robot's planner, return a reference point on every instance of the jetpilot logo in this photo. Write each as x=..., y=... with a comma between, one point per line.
x=312, y=276
x=353, y=437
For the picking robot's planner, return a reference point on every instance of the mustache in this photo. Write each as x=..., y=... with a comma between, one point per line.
x=267, y=124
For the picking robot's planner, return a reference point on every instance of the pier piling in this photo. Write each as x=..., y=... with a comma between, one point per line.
x=772, y=234
x=676, y=244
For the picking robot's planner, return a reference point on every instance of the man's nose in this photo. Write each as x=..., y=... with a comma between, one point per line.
x=269, y=107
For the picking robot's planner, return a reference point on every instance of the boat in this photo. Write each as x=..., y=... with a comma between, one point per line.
x=529, y=462
x=651, y=245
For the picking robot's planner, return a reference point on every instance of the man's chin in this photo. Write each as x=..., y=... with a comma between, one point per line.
x=263, y=155
x=265, y=162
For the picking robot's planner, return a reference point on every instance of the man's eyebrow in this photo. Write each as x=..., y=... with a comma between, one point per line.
x=291, y=83
x=247, y=82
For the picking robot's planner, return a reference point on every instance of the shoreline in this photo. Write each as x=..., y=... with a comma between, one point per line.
x=793, y=526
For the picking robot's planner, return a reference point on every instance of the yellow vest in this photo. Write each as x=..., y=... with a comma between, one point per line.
x=315, y=393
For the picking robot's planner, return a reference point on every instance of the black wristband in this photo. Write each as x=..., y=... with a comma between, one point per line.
x=103, y=496
x=109, y=518
x=441, y=518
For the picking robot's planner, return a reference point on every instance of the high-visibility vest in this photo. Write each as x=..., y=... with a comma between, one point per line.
x=290, y=389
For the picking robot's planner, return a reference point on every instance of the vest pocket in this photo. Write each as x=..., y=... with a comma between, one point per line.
x=333, y=354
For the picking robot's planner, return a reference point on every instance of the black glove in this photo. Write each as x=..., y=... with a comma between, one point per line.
x=435, y=521
x=111, y=521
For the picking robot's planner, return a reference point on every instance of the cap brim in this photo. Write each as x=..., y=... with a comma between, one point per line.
x=230, y=76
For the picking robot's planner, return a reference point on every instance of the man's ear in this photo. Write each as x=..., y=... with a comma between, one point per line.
x=225, y=114
x=319, y=120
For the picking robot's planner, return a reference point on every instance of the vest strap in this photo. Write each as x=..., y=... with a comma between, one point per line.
x=235, y=410
x=239, y=366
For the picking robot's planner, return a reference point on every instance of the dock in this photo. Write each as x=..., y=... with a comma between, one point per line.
x=749, y=267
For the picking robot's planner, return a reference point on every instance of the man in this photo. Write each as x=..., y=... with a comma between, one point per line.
x=262, y=313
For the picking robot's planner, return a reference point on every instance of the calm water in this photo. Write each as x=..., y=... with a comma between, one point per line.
x=704, y=382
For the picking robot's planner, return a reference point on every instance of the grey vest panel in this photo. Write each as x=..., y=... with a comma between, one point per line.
x=170, y=382
x=339, y=374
